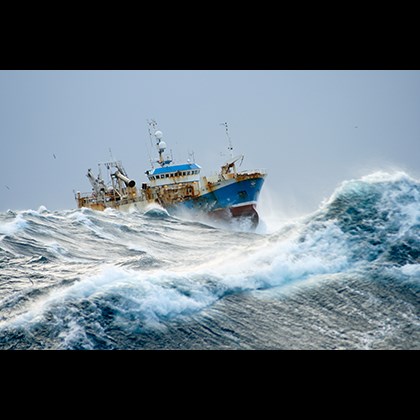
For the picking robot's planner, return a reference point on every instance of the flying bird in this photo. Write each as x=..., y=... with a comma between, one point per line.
x=54, y=156
x=7, y=187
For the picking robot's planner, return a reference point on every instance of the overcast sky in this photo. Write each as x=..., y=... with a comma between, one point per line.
x=310, y=130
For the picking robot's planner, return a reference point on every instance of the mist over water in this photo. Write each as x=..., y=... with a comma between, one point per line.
x=345, y=276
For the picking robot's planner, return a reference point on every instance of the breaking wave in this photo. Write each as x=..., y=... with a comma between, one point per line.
x=81, y=279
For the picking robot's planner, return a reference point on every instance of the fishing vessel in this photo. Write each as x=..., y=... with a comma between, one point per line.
x=177, y=187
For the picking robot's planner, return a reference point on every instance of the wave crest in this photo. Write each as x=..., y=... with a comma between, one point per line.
x=380, y=213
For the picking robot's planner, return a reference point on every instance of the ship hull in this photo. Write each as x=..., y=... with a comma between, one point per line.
x=229, y=199
x=231, y=193
x=245, y=211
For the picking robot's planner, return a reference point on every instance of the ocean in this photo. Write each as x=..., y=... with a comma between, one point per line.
x=346, y=276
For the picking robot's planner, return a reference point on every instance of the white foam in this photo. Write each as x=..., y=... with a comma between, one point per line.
x=411, y=270
x=151, y=296
x=74, y=335
x=383, y=176
x=43, y=210
x=13, y=227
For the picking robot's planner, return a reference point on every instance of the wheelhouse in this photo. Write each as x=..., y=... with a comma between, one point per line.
x=174, y=174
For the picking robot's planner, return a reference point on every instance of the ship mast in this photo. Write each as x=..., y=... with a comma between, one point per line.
x=160, y=144
x=230, y=147
x=229, y=166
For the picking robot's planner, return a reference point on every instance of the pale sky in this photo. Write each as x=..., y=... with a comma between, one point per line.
x=310, y=130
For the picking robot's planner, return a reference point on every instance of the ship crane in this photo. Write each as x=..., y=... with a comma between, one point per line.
x=98, y=184
x=226, y=168
x=128, y=182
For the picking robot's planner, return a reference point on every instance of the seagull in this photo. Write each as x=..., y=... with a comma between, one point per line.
x=7, y=187
x=54, y=156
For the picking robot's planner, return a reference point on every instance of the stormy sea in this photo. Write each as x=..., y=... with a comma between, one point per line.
x=346, y=276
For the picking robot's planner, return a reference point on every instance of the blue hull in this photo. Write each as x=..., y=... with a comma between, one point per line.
x=236, y=194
